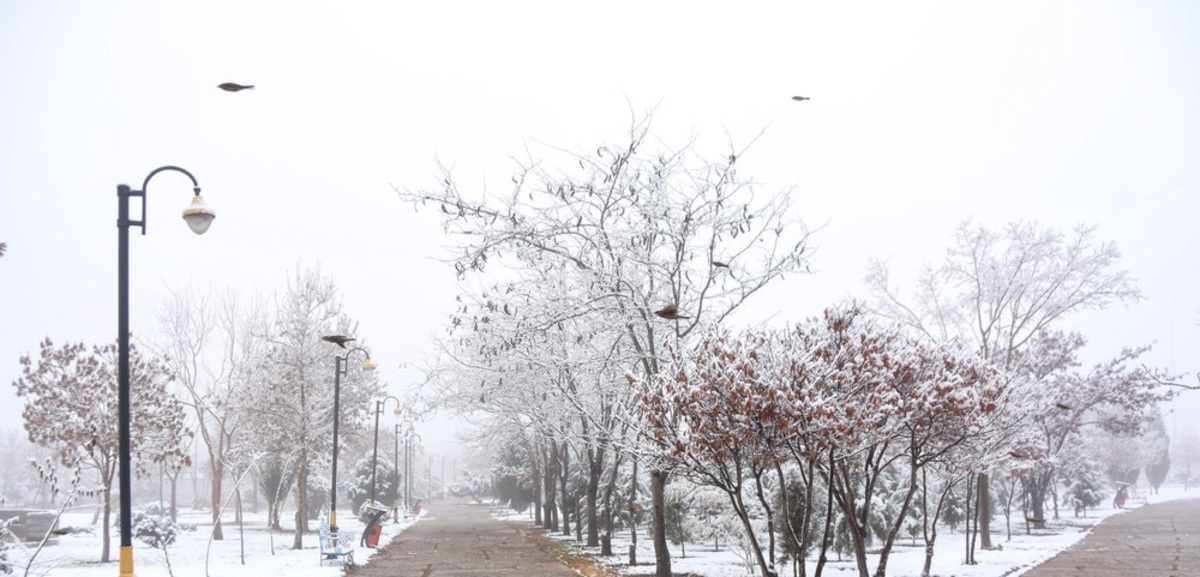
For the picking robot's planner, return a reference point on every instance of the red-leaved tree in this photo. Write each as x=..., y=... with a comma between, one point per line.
x=70, y=394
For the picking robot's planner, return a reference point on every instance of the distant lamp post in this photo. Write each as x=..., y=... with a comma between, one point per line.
x=396, y=459
x=339, y=370
x=198, y=217
x=408, y=465
x=375, y=453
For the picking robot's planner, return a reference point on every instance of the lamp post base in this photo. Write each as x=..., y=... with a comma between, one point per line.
x=127, y=561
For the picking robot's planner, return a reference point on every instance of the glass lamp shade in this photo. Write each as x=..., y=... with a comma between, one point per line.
x=368, y=365
x=198, y=215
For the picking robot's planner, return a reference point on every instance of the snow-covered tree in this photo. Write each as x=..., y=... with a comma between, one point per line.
x=293, y=395
x=643, y=241
x=275, y=479
x=840, y=397
x=1084, y=491
x=1114, y=397
x=358, y=482
x=70, y=394
x=213, y=346
x=1000, y=288
x=1185, y=457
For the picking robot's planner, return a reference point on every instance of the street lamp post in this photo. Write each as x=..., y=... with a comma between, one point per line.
x=339, y=370
x=396, y=460
x=408, y=455
x=375, y=453
x=198, y=217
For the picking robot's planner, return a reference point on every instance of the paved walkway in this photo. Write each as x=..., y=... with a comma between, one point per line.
x=1161, y=540
x=459, y=538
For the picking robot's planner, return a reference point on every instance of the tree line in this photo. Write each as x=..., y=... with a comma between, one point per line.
x=251, y=381
x=593, y=343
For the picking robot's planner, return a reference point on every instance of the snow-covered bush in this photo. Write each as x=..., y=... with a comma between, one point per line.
x=156, y=532
x=154, y=527
x=5, y=535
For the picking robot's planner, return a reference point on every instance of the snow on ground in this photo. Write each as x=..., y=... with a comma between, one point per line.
x=1016, y=556
x=76, y=555
x=264, y=553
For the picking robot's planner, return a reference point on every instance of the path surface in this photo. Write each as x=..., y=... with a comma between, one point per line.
x=458, y=539
x=1161, y=540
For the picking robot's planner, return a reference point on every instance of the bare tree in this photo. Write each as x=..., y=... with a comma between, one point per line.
x=211, y=347
x=650, y=240
x=1000, y=288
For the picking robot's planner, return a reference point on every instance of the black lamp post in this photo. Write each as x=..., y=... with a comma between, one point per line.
x=408, y=455
x=339, y=370
x=198, y=217
x=375, y=453
x=396, y=460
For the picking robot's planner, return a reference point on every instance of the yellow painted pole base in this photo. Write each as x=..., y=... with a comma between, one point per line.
x=127, y=561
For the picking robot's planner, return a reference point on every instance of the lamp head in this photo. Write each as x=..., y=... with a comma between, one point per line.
x=368, y=365
x=398, y=411
x=198, y=215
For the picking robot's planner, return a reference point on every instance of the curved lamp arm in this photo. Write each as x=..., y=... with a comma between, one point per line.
x=198, y=215
x=380, y=404
x=367, y=365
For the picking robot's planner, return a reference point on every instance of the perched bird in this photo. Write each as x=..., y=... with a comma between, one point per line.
x=338, y=340
x=800, y=98
x=234, y=87
x=1063, y=406
x=719, y=264
x=670, y=312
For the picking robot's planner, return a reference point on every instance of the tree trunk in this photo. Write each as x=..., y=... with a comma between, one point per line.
x=538, y=494
x=606, y=540
x=823, y=558
x=1036, y=487
x=798, y=540
x=890, y=540
x=969, y=518
x=632, y=516
x=218, y=472
x=983, y=506
x=739, y=508
x=595, y=468
x=766, y=505
x=662, y=555
x=105, y=532
x=550, y=513
x=301, y=501
x=566, y=499
x=174, y=496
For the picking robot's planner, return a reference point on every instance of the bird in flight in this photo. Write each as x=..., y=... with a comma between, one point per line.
x=670, y=312
x=801, y=98
x=234, y=87
x=338, y=340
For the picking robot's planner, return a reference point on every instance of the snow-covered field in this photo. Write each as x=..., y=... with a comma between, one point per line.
x=1015, y=557
x=252, y=550
x=249, y=550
